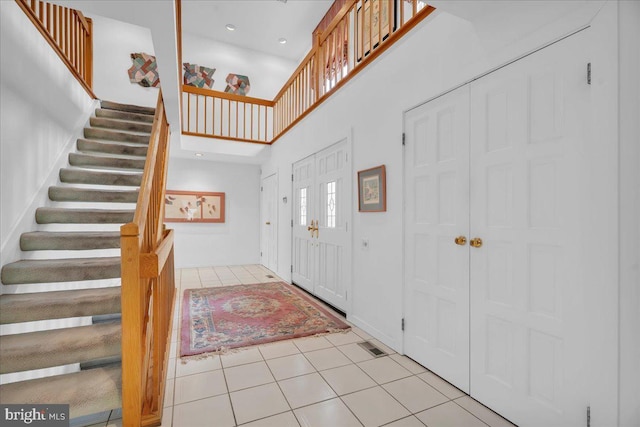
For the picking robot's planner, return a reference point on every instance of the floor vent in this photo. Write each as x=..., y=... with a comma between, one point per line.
x=375, y=351
x=270, y=276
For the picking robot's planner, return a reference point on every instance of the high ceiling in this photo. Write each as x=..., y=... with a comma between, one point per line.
x=259, y=23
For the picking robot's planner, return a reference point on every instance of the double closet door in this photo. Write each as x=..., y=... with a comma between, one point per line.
x=321, y=213
x=494, y=195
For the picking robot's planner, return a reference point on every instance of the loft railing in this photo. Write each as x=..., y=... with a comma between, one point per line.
x=148, y=288
x=69, y=33
x=358, y=34
x=343, y=46
x=215, y=114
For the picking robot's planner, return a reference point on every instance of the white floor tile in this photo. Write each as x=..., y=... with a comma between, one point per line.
x=482, y=412
x=375, y=407
x=196, y=366
x=342, y=338
x=348, y=379
x=198, y=386
x=202, y=413
x=286, y=419
x=258, y=402
x=327, y=358
x=278, y=349
x=406, y=422
x=250, y=375
x=330, y=413
x=415, y=394
x=168, y=393
x=441, y=385
x=167, y=417
x=312, y=343
x=449, y=415
x=306, y=390
x=290, y=366
x=413, y=367
x=241, y=357
x=384, y=370
x=355, y=352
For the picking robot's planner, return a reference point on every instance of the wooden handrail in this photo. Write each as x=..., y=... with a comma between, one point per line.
x=69, y=33
x=226, y=95
x=147, y=288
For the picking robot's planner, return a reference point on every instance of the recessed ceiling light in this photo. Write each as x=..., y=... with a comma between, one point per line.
x=230, y=27
x=198, y=154
x=282, y=40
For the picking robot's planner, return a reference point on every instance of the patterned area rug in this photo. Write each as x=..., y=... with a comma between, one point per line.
x=218, y=319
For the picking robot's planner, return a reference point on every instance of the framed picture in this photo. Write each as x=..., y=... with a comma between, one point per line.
x=193, y=206
x=372, y=19
x=372, y=190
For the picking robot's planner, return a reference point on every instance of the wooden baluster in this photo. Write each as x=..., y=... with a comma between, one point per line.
x=41, y=11
x=414, y=4
x=188, y=112
x=391, y=16
x=197, y=113
x=237, y=118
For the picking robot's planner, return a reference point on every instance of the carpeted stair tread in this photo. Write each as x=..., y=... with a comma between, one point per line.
x=60, y=270
x=83, y=216
x=88, y=145
x=86, y=160
x=72, y=194
x=16, y=308
x=103, y=122
x=81, y=176
x=127, y=107
x=57, y=347
x=123, y=115
x=87, y=392
x=112, y=135
x=69, y=241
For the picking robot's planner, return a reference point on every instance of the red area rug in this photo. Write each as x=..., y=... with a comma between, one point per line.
x=217, y=319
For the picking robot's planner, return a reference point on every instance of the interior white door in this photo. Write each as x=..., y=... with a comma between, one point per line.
x=269, y=252
x=529, y=124
x=333, y=213
x=436, y=213
x=303, y=271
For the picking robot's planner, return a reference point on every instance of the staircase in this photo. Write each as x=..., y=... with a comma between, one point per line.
x=71, y=271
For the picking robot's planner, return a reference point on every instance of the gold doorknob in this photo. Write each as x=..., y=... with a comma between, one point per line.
x=268, y=222
x=476, y=242
x=461, y=240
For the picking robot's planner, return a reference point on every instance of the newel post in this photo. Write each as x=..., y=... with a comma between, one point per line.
x=132, y=308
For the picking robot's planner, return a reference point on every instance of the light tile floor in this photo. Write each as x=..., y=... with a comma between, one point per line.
x=326, y=381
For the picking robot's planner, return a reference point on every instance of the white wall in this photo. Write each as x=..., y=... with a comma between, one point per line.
x=237, y=240
x=267, y=74
x=113, y=43
x=440, y=54
x=42, y=109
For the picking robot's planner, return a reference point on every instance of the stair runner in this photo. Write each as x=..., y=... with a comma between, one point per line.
x=106, y=169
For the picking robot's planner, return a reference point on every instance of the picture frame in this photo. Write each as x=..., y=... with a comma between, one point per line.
x=372, y=190
x=371, y=11
x=194, y=206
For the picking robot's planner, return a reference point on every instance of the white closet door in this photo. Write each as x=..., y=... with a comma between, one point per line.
x=436, y=212
x=529, y=122
x=269, y=227
x=333, y=213
x=304, y=245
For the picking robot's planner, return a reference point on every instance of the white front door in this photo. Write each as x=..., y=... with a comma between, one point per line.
x=269, y=230
x=529, y=341
x=303, y=271
x=436, y=213
x=321, y=215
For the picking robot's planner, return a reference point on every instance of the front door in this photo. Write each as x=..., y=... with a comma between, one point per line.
x=321, y=216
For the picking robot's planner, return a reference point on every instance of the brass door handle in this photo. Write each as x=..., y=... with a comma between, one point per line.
x=476, y=242
x=313, y=228
x=460, y=240
x=268, y=223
